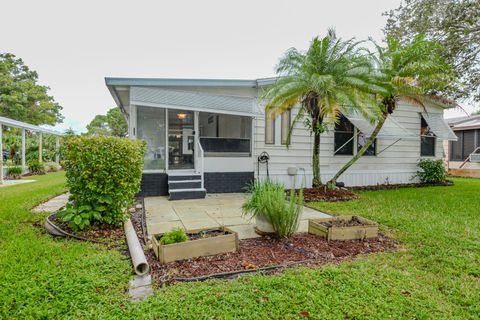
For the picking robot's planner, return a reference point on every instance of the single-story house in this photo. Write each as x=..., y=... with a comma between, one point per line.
x=211, y=135
x=467, y=130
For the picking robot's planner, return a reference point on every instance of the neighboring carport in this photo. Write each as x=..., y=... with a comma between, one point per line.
x=30, y=127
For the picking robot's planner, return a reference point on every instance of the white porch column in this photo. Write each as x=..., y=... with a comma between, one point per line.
x=1, y=154
x=196, y=128
x=57, y=149
x=40, y=147
x=24, y=166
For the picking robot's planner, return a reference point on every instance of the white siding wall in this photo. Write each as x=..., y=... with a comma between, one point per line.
x=397, y=164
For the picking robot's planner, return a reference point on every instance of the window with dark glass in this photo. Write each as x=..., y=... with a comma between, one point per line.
x=362, y=140
x=343, y=137
x=428, y=138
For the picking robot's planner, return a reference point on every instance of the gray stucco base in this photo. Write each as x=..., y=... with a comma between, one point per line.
x=227, y=182
x=156, y=184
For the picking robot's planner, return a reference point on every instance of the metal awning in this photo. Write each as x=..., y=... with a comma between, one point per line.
x=439, y=127
x=196, y=101
x=23, y=125
x=391, y=128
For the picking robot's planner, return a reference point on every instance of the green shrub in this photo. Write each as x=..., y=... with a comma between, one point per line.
x=36, y=167
x=103, y=175
x=52, y=166
x=431, y=171
x=14, y=172
x=174, y=236
x=268, y=200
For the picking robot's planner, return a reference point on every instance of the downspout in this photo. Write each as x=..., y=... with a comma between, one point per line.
x=139, y=261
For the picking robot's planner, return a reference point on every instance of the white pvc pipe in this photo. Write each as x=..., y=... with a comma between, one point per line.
x=140, y=264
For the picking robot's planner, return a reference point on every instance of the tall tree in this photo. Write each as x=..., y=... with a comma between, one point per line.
x=455, y=24
x=330, y=76
x=111, y=124
x=414, y=72
x=21, y=97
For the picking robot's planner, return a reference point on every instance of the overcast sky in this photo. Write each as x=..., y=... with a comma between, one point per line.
x=74, y=45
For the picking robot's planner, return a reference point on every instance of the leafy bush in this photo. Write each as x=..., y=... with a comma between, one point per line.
x=103, y=175
x=174, y=236
x=52, y=166
x=431, y=171
x=36, y=167
x=268, y=200
x=14, y=172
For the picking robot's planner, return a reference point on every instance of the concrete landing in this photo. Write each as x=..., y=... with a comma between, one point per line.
x=222, y=209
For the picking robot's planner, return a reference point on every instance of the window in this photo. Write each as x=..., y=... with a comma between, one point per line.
x=269, y=129
x=223, y=133
x=427, y=138
x=343, y=137
x=362, y=140
x=151, y=128
x=286, y=119
x=465, y=145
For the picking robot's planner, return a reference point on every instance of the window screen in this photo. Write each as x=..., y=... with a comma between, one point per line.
x=427, y=139
x=456, y=147
x=286, y=119
x=269, y=129
x=343, y=137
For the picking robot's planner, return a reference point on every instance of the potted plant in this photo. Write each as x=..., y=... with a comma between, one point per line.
x=273, y=213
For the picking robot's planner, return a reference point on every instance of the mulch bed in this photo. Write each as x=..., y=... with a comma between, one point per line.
x=325, y=194
x=301, y=249
x=112, y=236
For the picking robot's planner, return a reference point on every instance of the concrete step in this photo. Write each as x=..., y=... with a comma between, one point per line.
x=184, y=184
x=183, y=194
x=183, y=177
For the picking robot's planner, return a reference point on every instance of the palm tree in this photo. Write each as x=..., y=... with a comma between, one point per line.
x=414, y=72
x=329, y=76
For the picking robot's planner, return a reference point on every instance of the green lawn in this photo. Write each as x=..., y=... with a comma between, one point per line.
x=436, y=275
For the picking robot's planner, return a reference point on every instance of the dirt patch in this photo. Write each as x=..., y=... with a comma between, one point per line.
x=344, y=223
x=253, y=254
x=330, y=195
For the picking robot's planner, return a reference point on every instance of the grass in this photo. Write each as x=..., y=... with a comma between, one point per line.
x=436, y=275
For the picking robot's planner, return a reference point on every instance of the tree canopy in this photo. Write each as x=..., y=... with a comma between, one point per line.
x=21, y=97
x=111, y=124
x=332, y=77
x=456, y=26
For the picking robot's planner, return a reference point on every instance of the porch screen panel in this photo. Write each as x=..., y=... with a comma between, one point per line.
x=468, y=143
x=456, y=147
x=151, y=128
x=225, y=134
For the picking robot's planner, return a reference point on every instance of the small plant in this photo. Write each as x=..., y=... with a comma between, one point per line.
x=36, y=167
x=431, y=171
x=14, y=173
x=52, y=166
x=174, y=236
x=268, y=200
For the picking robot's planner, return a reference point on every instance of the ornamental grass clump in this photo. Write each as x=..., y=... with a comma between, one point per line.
x=14, y=173
x=268, y=199
x=103, y=175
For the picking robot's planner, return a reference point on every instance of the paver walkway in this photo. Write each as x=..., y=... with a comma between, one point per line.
x=223, y=209
x=53, y=205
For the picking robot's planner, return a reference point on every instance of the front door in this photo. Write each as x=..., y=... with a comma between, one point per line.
x=181, y=139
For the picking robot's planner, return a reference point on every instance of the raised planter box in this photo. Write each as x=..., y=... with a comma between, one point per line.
x=342, y=228
x=199, y=247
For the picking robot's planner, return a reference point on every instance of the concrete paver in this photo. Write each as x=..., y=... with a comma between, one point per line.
x=221, y=209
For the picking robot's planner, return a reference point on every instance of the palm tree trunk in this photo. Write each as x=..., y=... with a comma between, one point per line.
x=317, y=181
x=332, y=183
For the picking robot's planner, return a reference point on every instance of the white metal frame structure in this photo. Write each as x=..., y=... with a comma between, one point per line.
x=7, y=122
